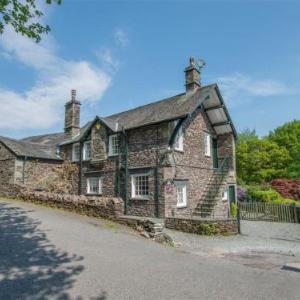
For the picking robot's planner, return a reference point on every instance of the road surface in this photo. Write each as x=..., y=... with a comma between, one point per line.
x=52, y=254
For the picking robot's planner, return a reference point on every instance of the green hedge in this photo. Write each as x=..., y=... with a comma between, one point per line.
x=266, y=194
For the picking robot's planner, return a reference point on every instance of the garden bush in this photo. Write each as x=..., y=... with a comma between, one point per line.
x=257, y=193
x=287, y=188
x=233, y=209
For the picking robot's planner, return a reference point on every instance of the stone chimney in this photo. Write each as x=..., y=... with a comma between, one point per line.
x=72, y=116
x=192, y=76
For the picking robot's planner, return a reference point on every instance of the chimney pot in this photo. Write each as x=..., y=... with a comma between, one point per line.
x=73, y=95
x=192, y=76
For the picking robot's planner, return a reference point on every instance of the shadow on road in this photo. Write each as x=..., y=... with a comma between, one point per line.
x=30, y=267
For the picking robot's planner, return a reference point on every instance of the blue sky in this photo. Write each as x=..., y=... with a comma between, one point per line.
x=122, y=54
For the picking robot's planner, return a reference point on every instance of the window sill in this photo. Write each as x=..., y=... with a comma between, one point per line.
x=181, y=206
x=113, y=155
x=96, y=194
x=206, y=155
x=139, y=198
x=178, y=150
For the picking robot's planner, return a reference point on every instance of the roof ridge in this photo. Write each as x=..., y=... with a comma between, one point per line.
x=138, y=107
x=40, y=135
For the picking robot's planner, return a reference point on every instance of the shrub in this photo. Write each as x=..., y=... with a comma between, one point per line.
x=233, y=209
x=258, y=193
x=241, y=193
x=209, y=229
x=287, y=188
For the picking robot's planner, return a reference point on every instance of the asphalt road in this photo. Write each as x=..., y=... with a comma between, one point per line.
x=52, y=254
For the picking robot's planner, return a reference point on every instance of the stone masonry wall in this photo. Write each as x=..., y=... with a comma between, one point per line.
x=106, y=207
x=191, y=165
x=42, y=174
x=144, y=153
x=7, y=165
x=202, y=226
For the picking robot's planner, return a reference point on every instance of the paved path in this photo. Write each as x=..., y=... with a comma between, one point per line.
x=52, y=254
x=256, y=238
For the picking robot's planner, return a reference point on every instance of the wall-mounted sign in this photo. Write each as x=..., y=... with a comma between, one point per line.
x=168, y=188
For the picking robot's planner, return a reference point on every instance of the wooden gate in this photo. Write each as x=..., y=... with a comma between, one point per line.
x=260, y=211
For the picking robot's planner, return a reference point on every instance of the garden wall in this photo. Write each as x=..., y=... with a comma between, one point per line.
x=106, y=207
x=202, y=226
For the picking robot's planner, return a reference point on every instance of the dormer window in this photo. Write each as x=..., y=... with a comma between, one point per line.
x=114, y=144
x=87, y=154
x=76, y=152
x=178, y=144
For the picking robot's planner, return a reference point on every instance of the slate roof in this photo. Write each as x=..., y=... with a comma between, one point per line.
x=42, y=146
x=171, y=108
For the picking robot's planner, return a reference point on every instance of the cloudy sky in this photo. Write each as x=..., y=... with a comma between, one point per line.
x=122, y=54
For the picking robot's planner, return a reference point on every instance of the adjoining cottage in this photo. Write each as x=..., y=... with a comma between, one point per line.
x=171, y=157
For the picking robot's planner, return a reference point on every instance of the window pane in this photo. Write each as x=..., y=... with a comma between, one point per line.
x=93, y=185
x=87, y=150
x=181, y=194
x=141, y=185
x=114, y=144
x=76, y=152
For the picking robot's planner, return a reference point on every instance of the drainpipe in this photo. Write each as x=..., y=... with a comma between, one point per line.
x=126, y=172
x=23, y=171
x=80, y=169
x=156, y=177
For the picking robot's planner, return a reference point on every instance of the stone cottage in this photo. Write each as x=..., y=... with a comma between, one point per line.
x=171, y=157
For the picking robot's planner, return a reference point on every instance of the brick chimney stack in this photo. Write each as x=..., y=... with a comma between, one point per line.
x=72, y=116
x=192, y=76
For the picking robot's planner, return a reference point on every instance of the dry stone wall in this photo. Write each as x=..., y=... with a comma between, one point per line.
x=7, y=165
x=202, y=226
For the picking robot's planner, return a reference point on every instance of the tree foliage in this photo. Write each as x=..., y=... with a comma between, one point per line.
x=288, y=136
x=260, y=159
x=23, y=16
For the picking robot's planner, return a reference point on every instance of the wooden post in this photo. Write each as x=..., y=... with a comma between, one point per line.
x=295, y=213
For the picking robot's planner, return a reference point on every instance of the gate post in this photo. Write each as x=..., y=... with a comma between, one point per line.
x=295, y=213
x=238, y=217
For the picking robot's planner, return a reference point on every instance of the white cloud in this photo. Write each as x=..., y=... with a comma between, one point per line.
x=42, y=105
x=121, y=37
x=105, y=56
x=237, y=87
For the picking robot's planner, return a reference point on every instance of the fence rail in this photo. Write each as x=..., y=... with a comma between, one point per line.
x=259, y=211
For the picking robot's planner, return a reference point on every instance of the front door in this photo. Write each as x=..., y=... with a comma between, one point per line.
x=215, y=153
x=232, y=197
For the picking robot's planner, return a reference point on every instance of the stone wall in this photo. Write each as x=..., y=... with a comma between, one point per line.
x=144, y=155
x=106, y=207
x=7, y=165
x=202, y=226
x=191, y=165
x=45, y=174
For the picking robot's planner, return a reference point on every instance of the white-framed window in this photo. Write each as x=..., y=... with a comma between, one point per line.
x=140, y=186
x=114, y=144
x=76, y=152
x=225, y=195
x=87, y=154
x=207, y=143
x=178, y=144
x=94, y=185
x=181, y=193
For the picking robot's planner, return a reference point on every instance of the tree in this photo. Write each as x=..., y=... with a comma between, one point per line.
x=259, y=159
x=22, y=15
x=288, y=136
